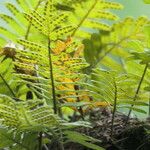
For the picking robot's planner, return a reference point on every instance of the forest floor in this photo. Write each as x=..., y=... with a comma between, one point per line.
x=131, y=136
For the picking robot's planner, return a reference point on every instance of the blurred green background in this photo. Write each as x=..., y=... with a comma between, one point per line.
x=131, y=8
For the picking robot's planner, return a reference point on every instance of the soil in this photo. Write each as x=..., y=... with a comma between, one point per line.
x=130, y=136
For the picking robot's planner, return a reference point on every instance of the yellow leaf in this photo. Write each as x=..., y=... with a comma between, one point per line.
x=61, y=46
x=100, y=104
x=79, y=51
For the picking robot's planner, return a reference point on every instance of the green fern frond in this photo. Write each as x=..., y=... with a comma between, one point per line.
x=109, y=86
x=16, y=22
x=28, y=115
x=12, y=23
x=7, y=35
x=33, y=57
x=50, y=27
x=12, y=8
x=113, y=47
x=16, y=13
x=66, y=67
x=6, y=138
x=32, y=46
x=91, y=15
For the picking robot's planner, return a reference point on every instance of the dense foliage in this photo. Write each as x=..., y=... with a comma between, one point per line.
x=62, y=58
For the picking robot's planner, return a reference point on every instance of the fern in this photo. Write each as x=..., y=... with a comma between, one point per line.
x=112, y=48
x=48, y=24
x=118, y=91
x=104, y=83
x=30, y=115
x=62, y=61
x=64, y=54
x=4, y=136
x=143, y=56
x=16, y=25
x=30, y=61
x=47, y=62
x=91, y=14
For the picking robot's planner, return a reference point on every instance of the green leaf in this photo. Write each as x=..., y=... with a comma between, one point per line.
x=138, y=103
x=147, y=88
x=75, y=104
x=135, y=109
x=82, y=139
x=139, y=110
x=90, y=16
x=26, y=115
x=144, y=57
x=136, y=45
x=147, y=1
x=6, y=138
x=30, y=139
x=69, y=125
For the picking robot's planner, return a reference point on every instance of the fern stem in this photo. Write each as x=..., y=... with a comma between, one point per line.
x=40, y=141
x=137, y=92
x=84, y=18
x=114, y=109
x=61, y=140
x=76, y=87
x=8, y=86
x=29, y=26
x=52, y=78
x=149, y=106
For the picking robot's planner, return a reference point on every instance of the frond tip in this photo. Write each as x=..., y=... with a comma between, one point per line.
x=50, y=23
x=92, y=15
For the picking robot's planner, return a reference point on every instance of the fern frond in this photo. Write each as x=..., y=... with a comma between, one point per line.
x=107, y=86
x=16, y=22
x=52, y=28
x=33, y=58
x=12, y=8
x=66, y=66
x=114, y=46
x=7, y=35
x=6, y=138
x=12, y=23
x=32, y=46
x=16, y=13
x=28, y=115
x=91, y=15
